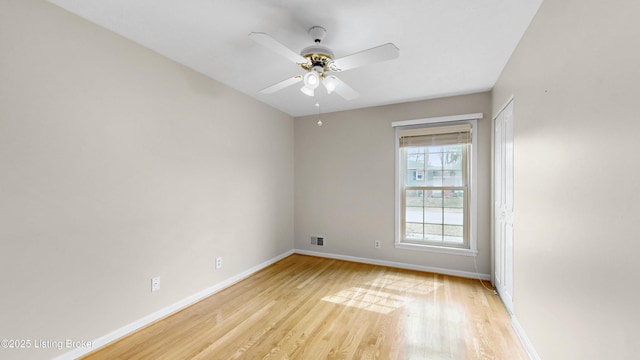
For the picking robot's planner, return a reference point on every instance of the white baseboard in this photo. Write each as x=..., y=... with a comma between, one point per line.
x=526, y=343
x=437, y=270
x=136, y=325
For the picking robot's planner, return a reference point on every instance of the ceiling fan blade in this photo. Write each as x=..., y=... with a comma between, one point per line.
x=281, y=85
x=277, y=47
x=379, y=53
x=340, y=87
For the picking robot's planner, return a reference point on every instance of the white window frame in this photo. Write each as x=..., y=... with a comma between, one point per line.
x=471, y=119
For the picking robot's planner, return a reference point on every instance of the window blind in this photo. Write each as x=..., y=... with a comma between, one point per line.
x=436, y=136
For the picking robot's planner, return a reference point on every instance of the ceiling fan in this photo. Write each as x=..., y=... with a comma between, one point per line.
x=319, y=63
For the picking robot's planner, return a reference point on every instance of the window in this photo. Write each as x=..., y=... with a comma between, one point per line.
x=434, y=194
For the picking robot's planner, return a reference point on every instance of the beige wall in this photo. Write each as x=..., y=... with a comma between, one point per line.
x=575, y=77
x=345, y=178
x=117, y=165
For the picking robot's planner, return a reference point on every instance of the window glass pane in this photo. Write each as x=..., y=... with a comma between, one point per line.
x=410, y=178
x=453, y=216
x=453, y=198
x=415, y=161
x=414, y=197
x=433, y=198
x=453, y=234
x=414, y=231
x=434, y=167
x=433, y=233
x=420, y=161
x=433, y=215
x=452, y=178
x=414, y=164
x=414, y=214
x=434, y=160
x=452, y=157
x=434, y=178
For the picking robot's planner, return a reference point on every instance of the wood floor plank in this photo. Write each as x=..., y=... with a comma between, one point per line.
x=306, y=307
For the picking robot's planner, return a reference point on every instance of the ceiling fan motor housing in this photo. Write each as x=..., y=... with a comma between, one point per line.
x=316, y=50
x=320, y=58
x=317, y=33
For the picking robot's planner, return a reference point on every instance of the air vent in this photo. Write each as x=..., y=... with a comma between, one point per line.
x=317, y=240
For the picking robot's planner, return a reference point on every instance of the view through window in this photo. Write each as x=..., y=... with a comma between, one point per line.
x=434, y=183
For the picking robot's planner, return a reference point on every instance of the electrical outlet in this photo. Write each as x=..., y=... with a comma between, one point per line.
x=218, y=263
x=155, y=283
x=376, y=244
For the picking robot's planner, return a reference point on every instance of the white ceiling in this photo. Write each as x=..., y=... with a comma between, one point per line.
x=447, y=47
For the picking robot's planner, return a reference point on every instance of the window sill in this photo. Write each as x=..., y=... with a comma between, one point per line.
x=437, y=249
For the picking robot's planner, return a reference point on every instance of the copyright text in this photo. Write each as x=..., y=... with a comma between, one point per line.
x=45, y=344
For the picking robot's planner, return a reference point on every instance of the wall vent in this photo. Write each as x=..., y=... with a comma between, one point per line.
x=317, y=240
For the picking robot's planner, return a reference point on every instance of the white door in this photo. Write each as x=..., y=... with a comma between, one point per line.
x=503, y=205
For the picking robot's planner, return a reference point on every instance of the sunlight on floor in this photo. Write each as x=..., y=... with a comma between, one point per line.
x=404, y=285
x=367, y=299
x=385, y=294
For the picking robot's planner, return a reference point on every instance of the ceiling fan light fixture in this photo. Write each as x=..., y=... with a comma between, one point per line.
x=330, y=82
x=311, y=80
x=307, y=91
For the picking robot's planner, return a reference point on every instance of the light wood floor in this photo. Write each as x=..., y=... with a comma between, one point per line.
x=314, y=308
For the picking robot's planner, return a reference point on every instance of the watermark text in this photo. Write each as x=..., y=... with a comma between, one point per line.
x=45, y=344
